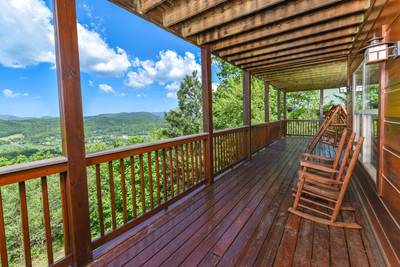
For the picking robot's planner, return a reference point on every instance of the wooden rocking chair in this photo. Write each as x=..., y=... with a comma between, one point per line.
x=326, y=161
x=329, y=128
x=322, y=196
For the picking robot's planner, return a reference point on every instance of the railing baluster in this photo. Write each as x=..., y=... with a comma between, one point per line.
x=187, y=165
x=112, y=195
x=64, y=210
x=99, y=200
x=178, y=183
x=171, y=172
x=142, y=184
x=150, y=176
x=164, y=159
x=158, y=178
x=201, y=160
x=133, y=176
x=183, y=168
x=46, y=220
x=123, y=189
x=196, y=162
x=192, y=163
x=25, y=223
x=3, y=244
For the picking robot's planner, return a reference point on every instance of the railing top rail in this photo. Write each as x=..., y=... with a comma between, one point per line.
x=25, y=171
x=230, y=130
x=302, y=119
x=132, y=150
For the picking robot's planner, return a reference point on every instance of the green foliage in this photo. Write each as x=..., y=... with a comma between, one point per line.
x=187, y=117
x=303, y=105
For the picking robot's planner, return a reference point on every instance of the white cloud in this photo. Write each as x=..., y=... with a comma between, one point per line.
x=26, y=33
x=97, y=57
x=214, y=86
x=11, y=94
x=105, y=88
x=27, y=38
x=169, y=68
x=172, y=89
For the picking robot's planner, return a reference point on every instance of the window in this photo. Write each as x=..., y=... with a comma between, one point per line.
x=365, y=94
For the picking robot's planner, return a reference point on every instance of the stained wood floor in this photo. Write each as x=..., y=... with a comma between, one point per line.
x=242, y=220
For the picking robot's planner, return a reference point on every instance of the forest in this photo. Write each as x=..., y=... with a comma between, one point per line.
x=29, y=139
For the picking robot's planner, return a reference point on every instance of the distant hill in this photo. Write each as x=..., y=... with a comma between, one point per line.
x=132, y=123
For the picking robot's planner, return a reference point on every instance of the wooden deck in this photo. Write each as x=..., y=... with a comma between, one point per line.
x=242, y=220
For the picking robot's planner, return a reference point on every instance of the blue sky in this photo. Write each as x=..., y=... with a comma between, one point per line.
x=127, y=64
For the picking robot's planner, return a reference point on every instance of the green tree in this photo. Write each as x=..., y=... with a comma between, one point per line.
x=187, y=117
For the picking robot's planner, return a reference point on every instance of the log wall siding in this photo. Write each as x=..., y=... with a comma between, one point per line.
x=381, y=200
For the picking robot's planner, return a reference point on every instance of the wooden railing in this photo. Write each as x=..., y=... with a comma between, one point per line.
x=37, y=174
x=133, y=183
x=126, y=186
x=299, y=127
x=264, y=134
x=228, y=148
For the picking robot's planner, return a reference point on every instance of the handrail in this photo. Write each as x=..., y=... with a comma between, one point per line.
x=31, y=170
x=133, y=150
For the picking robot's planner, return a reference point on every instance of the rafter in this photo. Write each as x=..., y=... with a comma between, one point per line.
x=344, y=42
x=184, y=10
x=277, y=14
x=342, y=49
x=147, y=5
x=300, y=42
x=297, y=62
x=232, y=10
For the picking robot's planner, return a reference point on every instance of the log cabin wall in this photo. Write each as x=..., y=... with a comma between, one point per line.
x=381, y=201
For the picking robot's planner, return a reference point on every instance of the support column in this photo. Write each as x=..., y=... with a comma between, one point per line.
x=247, y=109
x=207, y=110
x=321, y=104
x=278, y=104
x=284, y=106
x=73, y=141
x=284, y=115
x=266, y=101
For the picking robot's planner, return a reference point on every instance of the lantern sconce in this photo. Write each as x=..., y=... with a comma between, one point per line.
x=343, y=89
x=377, y=51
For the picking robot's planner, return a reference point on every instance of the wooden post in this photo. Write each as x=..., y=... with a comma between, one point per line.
x=247, y=109
x=381, y=115
x=284, y=114
x=349, y=95
x=284, y=106
x=278, y=104
x=207, y=110
x=73, y=140
x=321, y=104
x=266, y=101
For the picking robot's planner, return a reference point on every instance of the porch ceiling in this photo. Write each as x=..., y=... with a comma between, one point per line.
x=296, y=45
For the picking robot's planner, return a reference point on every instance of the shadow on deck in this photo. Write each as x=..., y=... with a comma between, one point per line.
x=242, y=220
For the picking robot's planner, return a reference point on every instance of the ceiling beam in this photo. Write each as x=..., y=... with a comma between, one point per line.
x=230, y=11
x=184, y=10
x=301, y=42
x=346, y=42
x=298, y=62
x=147, y=5
x=306, y=68
x=342, y=49
x=274, y=15
x=303, y=65
x=321, y=17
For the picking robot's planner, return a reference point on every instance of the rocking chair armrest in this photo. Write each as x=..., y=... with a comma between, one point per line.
x=308, y=155
x=307, y=164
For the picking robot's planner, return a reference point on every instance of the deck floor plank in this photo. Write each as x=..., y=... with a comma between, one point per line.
x=242, y=220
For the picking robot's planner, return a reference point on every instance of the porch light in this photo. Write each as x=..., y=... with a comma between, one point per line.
x=377, y=51
x=343, y=89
